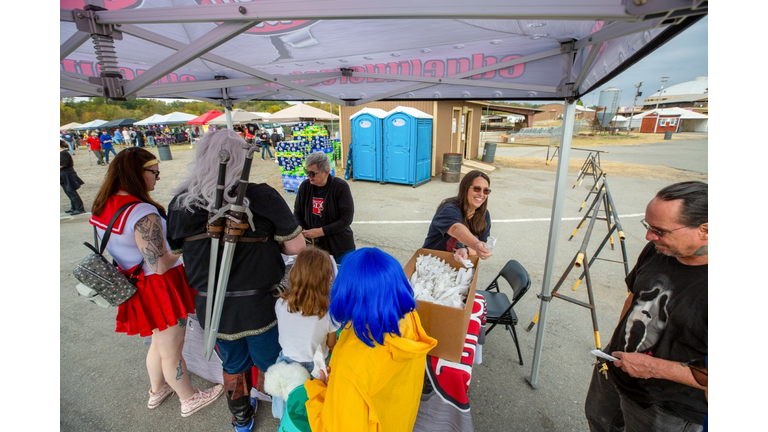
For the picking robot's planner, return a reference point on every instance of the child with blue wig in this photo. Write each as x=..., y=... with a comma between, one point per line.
x=377, y=367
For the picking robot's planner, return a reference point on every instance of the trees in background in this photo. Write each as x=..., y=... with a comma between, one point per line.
x=83, y=111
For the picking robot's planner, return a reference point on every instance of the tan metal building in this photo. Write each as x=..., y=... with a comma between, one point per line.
x=554, y=111
x=455, y=127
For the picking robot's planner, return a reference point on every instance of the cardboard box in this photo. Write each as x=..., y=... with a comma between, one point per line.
x=446, y=324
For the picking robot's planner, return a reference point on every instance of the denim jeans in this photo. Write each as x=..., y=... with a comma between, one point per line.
x=239, y=355
x=607, y=409
x=278, y=403
x=265, y=147
x=71, y=146
x=151, y=140
x=106, y=153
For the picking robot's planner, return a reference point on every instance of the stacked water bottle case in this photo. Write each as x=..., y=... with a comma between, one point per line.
x=307, y=139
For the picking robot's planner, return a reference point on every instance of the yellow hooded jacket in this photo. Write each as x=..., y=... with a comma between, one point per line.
x=372, y=389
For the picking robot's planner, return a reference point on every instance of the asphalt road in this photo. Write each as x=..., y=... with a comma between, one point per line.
x=103, y=382
x=685, y=152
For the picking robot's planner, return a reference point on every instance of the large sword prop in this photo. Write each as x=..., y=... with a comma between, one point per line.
x=214, y=229
x=237, y=218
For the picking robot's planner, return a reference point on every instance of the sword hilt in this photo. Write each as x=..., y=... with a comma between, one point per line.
x=243, y=185
x=224, y=157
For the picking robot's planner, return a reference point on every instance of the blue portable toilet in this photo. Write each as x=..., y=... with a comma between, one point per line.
x=407, y=146
x=366, y=131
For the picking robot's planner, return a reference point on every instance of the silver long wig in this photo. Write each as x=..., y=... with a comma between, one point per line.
x=198, y=189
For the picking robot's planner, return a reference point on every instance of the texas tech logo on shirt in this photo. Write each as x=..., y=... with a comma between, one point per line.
x=317, y=206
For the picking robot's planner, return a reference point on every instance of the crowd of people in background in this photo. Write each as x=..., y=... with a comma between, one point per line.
x=102, y=141
x=152, y=136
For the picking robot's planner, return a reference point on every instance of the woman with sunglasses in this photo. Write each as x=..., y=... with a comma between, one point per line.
x=163, y=299
x=462, y=223
x=324, y=208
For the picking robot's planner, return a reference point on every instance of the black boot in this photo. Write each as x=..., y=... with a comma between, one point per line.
x=238, y=388
x=242, y=410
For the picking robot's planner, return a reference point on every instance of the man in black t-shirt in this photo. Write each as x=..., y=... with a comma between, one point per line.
x=275, y=137
x=265, y=140
x=663, y=326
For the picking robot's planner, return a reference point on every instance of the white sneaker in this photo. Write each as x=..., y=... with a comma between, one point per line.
x=155, y=399
x=200, y=400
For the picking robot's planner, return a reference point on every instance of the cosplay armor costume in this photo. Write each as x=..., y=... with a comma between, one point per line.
x=247, y=333
x=160, y=300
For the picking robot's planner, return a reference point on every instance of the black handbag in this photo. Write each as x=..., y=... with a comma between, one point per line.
x=101, y=282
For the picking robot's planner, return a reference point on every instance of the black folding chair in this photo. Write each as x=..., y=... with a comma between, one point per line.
x=500, y=309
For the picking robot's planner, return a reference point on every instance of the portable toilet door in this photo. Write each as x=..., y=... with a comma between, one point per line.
x=423, y=150
x=399, y=148
x=407, y=146
x=366, y=129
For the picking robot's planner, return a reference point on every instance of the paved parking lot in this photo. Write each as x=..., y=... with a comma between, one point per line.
x=103, y=380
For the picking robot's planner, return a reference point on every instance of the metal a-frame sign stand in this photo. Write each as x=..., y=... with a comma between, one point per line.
x=581, y=259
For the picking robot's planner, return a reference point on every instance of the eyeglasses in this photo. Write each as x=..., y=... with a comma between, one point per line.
x=657, y=232
x=485, y=191
x=155, y=172
x=698, y=368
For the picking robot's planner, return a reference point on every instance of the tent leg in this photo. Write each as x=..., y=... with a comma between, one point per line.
x=554, y=232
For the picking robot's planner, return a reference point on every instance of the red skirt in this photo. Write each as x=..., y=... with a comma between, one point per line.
x=160, y=302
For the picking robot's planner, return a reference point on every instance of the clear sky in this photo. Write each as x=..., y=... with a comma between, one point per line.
x=681, y=59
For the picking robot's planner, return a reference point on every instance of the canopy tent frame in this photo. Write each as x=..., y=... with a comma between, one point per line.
x=236, y=18
x=578, y=58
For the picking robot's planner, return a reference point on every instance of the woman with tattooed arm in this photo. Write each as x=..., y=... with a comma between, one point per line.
x=163, y=299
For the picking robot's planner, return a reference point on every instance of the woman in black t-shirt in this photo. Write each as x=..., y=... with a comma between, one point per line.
x=462, y=223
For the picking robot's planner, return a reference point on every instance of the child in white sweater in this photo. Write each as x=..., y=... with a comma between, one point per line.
x=302, y=313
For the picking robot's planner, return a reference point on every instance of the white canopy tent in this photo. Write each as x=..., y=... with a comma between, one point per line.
x=300, y=112
x=352, y=52
x=174, y=118
x=237, y=116
x=149, y=120
x=69, y=126
x=93, y=124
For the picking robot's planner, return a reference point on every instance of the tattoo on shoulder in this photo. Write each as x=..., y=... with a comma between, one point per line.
x=151, y=230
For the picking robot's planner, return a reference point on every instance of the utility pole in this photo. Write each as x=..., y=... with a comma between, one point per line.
x=638, y=93
x=661, y=91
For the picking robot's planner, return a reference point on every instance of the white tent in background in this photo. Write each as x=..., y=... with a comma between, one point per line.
x=620, y=122
x=264, y=115
x=149, y=120
x=93, y=124
x=301, y=112
x=238, y=116
x=174, y=118
x=354, y=52
x=69, y=126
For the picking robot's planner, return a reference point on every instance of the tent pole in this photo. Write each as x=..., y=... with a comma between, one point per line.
x=226, y=102
x=229, y=118
x=554, y=232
